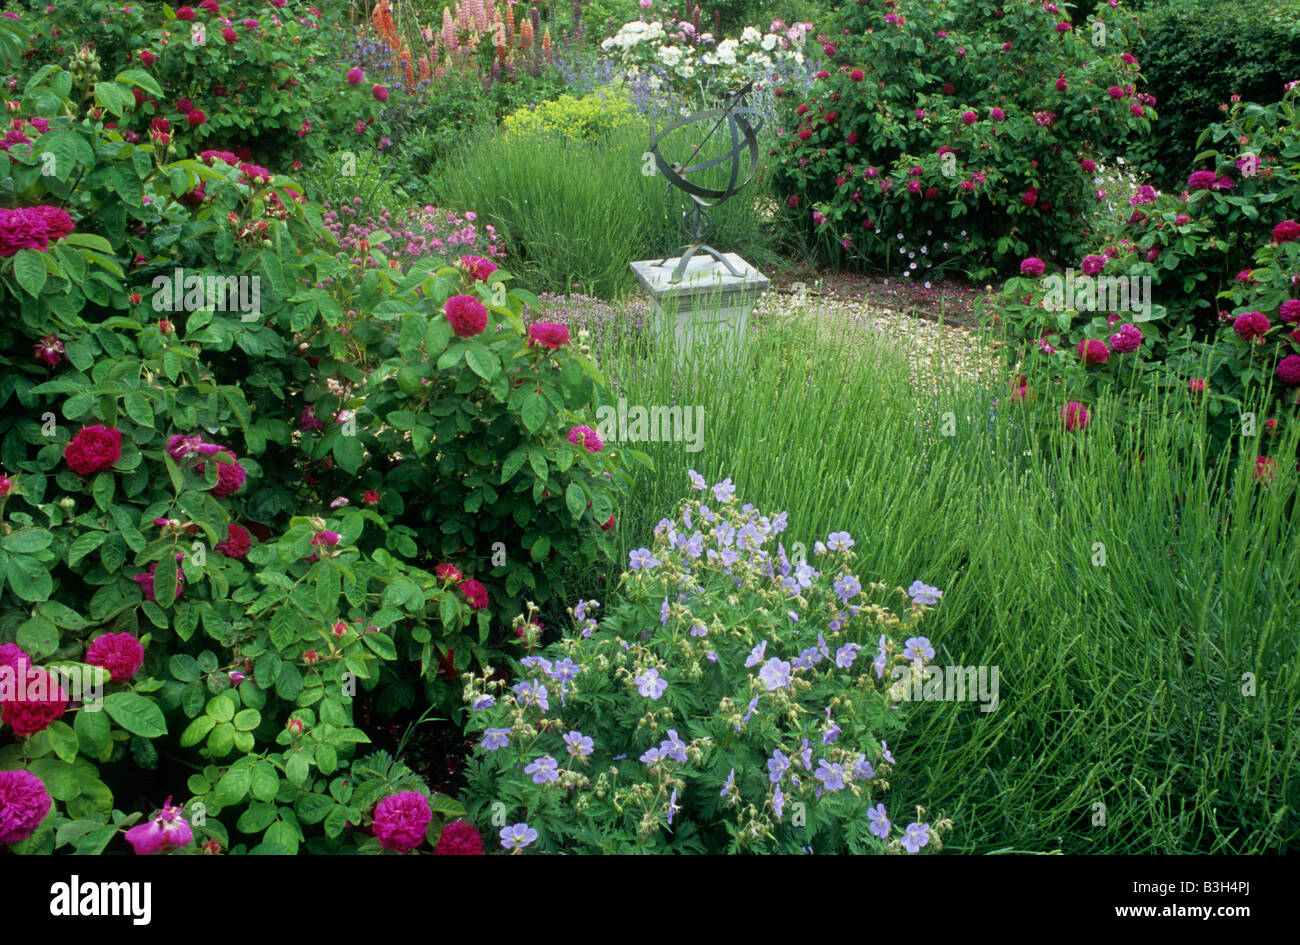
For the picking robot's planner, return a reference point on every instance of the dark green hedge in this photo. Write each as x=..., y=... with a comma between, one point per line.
x=1195, y=54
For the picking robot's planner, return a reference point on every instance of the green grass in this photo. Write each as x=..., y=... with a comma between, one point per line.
x=1121, y=684
x=575, y=213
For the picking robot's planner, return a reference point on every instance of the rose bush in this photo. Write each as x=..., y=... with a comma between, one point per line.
x=1217, y=264
x=973, y=130
x=221, y=513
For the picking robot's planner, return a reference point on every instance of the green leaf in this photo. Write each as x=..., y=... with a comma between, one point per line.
x=197, y=730
x=26, y=540
x=247, y=719
x=38, y=637
x=381, y=644
x=327, y=759
x=265, y=782
x=83, y=545
x=533, y=412
x=93, y=731
x=137, y=714
x=312, y=808
x=483, y=363
x=436, y=337
x=221, y=708
x=184, y=667
x=29, y=270
x=28, y=579
x=138, y=409
x=234, y=784
x=575, y=497
x=63, y=740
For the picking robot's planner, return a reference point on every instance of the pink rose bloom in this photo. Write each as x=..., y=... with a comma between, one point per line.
x=401, y=819
x=1032, y=266
x=448, y=572
x=586, y=437
x=459, y=838
x=24, y=802
x=355, y=76
x=548, y=335
x=380, y=93
x=467, y=315
x=1288, y=369
x=969, y=117
x=1251, y=325
x=478, y=268
x=1290, y=311
x=1092, y=265
x=1127, y=340
x=41, y=702
x=1196, y=385
x=1093, y=351
x=119, y=653
x=1074, y=416
x=475, y=593
x=1286, y=231
x=94, y=449
x=1201, y=180
x=166, y=830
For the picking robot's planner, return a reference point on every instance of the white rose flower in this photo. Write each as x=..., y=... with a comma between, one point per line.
x=750, y=35
x=769, y=42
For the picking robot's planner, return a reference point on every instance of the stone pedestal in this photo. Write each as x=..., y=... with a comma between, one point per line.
x=708, y=309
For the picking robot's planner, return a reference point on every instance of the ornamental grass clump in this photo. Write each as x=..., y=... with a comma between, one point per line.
x=735, y=699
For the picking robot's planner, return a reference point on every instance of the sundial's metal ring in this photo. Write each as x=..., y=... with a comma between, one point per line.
x=741, y=122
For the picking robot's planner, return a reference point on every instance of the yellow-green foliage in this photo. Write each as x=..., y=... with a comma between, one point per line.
x=576, y=118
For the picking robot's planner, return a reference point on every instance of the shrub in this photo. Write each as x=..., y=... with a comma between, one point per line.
x=270, y=84
x=217, y=527
x=1220, y=263
x=933, y=120
x=734, y=700
x=590, y=116
x=1195, y=54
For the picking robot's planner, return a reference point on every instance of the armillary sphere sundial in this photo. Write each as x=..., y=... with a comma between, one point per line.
x=743, y=124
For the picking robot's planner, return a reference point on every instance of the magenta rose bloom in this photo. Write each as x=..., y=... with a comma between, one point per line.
x=55, y=219
x=448, y=572
x=1251, y=325
x=1074, y=416
x=36, y=703
x=467, y=315
x=1092, y=265
x=236, y=543
x=380, y=93
x=24, y=802
x=969, y=117
x=230, y=477
x=548, y=335
x=477, y=267
x=1288, y=369
x=12, y=655
x=119, y=653
x=21, y=229
x=166, y=830
x=1286, y=231
x=355, y=76
x=1201, y=180
x=475, y=593
x=50, y=349
x=1093, y=351
x=94, y=449
x=1290, y=311
x=401, y=819
x=1127, y=340
x=586, y=437
x=1032, y=266
x=459, y=839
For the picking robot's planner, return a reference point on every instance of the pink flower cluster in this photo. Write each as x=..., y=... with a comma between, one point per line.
x=427, y=232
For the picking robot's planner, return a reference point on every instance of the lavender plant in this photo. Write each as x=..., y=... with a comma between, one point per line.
x=735, y=700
